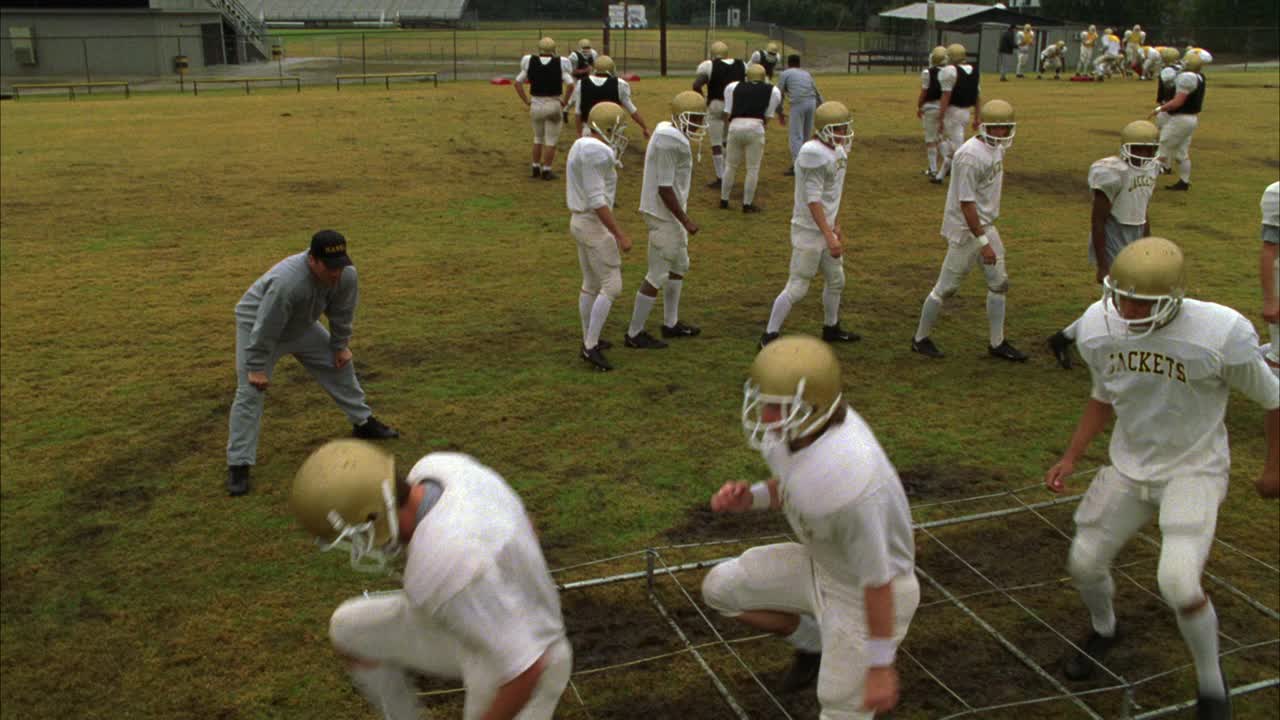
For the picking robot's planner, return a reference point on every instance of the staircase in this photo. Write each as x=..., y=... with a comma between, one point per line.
x=248, y=28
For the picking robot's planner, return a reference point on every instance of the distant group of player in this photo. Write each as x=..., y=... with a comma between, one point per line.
x=1101, y=55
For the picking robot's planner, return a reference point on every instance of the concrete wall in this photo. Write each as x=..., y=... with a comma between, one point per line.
x=116, y=44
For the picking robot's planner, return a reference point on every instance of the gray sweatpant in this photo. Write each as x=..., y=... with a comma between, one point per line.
x=801, y=126
x=312, y=350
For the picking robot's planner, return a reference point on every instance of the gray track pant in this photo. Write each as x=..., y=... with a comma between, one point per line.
x=312, y=350
x=801, y=127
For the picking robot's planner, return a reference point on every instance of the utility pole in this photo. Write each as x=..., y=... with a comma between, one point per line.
x=662, y=37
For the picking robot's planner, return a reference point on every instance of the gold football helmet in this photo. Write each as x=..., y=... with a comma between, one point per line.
x=345, y=496
x=1169, y=56
x=998, y=113
x=1139, y=133
x=802, y=375
x=755, y=73
x=1192, y=62
x=584, y=44
x=609, y=120
x=719, y=50
x=546, y=46
x=604, y=65
x=772, y=48
x=955, y=53
x=938, y=56
x=833, y=124
x=689, y=114
x=1093, y=29
x=1149, y=270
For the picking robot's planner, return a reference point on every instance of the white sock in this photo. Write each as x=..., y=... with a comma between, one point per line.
x=995, y=317
x=830, y=305
x=1200, y=631
x=726, y=181
x=933, y=159
x=599, y=313
x=584, y=311
x=1102, y=614
x=644, y=304
x=717, y=159
x=671, y=302
x=807, y=636
x=1070, y=331
x=537, y=167
x=946, y=167
x=387, y=689
x=1184, y=170
x=749, y=186
x=928, y=316
x=781, y=309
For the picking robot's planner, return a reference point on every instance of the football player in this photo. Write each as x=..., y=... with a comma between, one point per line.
x=1205, y=56
x=1122, y=186
x=1026, y=44
x=664, y=199
x=548, y=77
x=961, y=91
x=1269, y=271
x=1133, y=39
x=1088, y=39
x=1162, y=367
x=1171, y=61
x=817, y=242
x=582, y=60
x=1052, y=59
x=602, y=85
x=1184, y=116
x=968, y=224
x=747, y=108
x=1111, y=59
x=1152, y=61
x=927, y=106
x=473, y=567
x=767, y=59
x=591, y=184
x=843, y=595
x=716, y=74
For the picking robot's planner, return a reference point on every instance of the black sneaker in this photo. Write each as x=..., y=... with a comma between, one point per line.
x=1061, y=346
x=935, y=180
x=537, y=172
x=643, y=341
x=714, y=183
x=803, y=672
x=750, y=209
x=926, y=347
x=791, y=172
x=237, y=480
x=548, y=175
x=1215, y=708
x=1082, y=665
x=834, y=333
x=767, y=338
x=1005, y=351
x=724, y=204
x=596, y=358
x=604, y=344
x=373, y=429
x=1183, y=186
x=680, y=330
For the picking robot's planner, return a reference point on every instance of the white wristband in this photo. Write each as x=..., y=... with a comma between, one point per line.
x=880, y=651
x=760, y=498
x=982, y=240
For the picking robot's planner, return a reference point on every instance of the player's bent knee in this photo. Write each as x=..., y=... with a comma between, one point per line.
x=719, y=588
x=612, y=287
x=796, y=289
x=1179, y=586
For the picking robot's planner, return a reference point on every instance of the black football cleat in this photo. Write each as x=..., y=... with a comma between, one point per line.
x=751, y=208
x=714, y=183
x=803, y=672
x=1215, y=708
x=834, y=333
x=643, y=341
x=1180, y=186
x=536, y=170
x=935, y=180
x=724, y=204
x=1005, y=351
x=238, y=480
x=604, y=344
x=1060, y=344
x=373, y=429
x=767, y=338
x=1082, y=665
x=596, y=358
x=548, y=175
x=926, y=347
x=680, y=330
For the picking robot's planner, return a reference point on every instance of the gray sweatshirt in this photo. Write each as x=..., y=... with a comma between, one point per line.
x=287, y=300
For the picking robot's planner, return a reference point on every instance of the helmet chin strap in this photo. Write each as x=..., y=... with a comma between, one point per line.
x=359, y=538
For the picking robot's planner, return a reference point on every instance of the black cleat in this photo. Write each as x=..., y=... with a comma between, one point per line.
x=833, y=333
x=680, y=330
x=791, y=172
x=643, y=341
x=537, y=172
x=1060, y=344
x=1215, y=708
x=596, y=358
x=935, y=180
x=750, y=209
x=1082, y=665
x=724, y=204
x=373, y=429
x=238, y=480
x=926, y=347
x=714, y=183
x=767, y=338
x=1183, y=186
x=803, y=672
x=604, y=344
x=1005, y=351
x=548, y=175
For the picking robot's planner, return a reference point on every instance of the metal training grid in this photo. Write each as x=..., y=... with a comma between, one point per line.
x=656, y=565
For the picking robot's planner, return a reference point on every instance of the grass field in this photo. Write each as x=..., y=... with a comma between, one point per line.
x=132, y=587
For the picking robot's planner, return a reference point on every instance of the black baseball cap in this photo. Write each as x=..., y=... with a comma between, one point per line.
x=330, y=248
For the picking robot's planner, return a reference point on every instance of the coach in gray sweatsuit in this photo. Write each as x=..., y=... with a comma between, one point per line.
x=278, y=316
x=798, y=85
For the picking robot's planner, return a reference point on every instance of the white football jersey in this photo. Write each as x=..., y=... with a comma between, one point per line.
x=591, y=175
x=1170, y=388
x=1128, y=188
x=1271, y=213
x=668, y=162
x=820, y=174
x=845, y=502
x=1186, y=82
x=1111, y=45
x=474, y=564
x=977, y=176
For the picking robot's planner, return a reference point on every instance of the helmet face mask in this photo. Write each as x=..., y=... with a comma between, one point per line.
x=1143, y=135
x=1148, y=271
x=833, y=124
x=998, y=113
x=689, y=115
x=609, y=121
x=793, y=391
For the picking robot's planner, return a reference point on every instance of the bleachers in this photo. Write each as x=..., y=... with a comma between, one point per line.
x=357, y=10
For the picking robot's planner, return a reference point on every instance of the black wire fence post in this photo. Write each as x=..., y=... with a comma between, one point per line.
x=84, y=49
x=455, y=53
x=363, y=67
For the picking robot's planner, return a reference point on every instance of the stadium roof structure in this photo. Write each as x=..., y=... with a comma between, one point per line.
x=964, y=14
x=356, y=10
